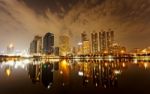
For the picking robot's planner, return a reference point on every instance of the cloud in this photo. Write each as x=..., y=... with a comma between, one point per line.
x=26, y=18
x=129, y=19
x=17, y=19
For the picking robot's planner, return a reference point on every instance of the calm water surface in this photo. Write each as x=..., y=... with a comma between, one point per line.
x=74, y=77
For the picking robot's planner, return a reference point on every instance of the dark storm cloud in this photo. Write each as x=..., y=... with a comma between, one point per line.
x=60, y=7
x=130, y=19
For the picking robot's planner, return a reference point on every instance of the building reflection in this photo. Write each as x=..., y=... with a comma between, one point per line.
x=47, y=74
x=108, y=77
x=98, y=73
x=142, y=63
x=34, y=73
x=42, y=72
x=86, y=73
x=102, y=73
x=64, y=66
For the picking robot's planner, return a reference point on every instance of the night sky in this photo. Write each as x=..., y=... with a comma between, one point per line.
x=21, y=20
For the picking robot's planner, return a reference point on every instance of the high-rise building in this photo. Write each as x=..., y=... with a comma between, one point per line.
x=94, y=39
x=36, y=45
x=85, y=43
x=84, y=36
x=38, y=40
x=64, y=45
x=32, y=47
x=110, y=40
x=106, y=40
x=79, y=48
x=56, y=51
x=48, y=43
x=102, y=41
x=86, y=47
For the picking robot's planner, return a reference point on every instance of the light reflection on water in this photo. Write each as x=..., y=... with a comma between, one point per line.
x=75, y=75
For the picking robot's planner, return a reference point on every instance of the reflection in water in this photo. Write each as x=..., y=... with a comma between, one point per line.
x=100, y=73
x=9, y=66
x=47, y=74
x=75, y=75
x=34, y=73
x=42, y=72
x=64, y=72
x=142, y=64
x=8, y=71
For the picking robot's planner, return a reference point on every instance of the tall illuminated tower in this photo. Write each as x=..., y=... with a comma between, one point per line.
x=36, y=45
x=85, y=43
x=106, y=40
x=84, y=36
x=48, y=43
x=64, y=45
x=102, y=41
x=94, y=39
x=110, y=40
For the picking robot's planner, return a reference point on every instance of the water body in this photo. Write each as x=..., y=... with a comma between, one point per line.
x=74, y=77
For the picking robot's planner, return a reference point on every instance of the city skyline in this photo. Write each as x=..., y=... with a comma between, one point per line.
x=74, y=46
x=26, y=18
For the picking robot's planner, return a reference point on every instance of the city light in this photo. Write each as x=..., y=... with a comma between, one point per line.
x=144, y=51
x=8, y=72
x=74, y=46
x=11, y=45
x=123, y=64
x=122, y=51
x=80, y=43
x=117, y=71
x=145, y=65
x=80, y=73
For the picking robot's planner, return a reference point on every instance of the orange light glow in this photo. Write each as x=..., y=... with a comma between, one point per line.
x=8, y=72
x=64, y=68
x=11, y=45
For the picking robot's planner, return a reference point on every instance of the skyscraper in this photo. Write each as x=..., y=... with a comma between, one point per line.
x=38, y=40
x=85, y=43
x=94, y=39
x=32, y=47
x=110, y=40
x=36, y=45
x=64, y=45
x=84, y=36
x=102, y=41
x=86, y=47
x=48, y=43
x=56, y=51
x=106, y=40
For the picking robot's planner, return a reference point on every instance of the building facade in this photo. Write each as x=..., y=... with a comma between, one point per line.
x=94, y=40
x=106, y=39
x=36, y=45
x=64, y=45
x=48, y=43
